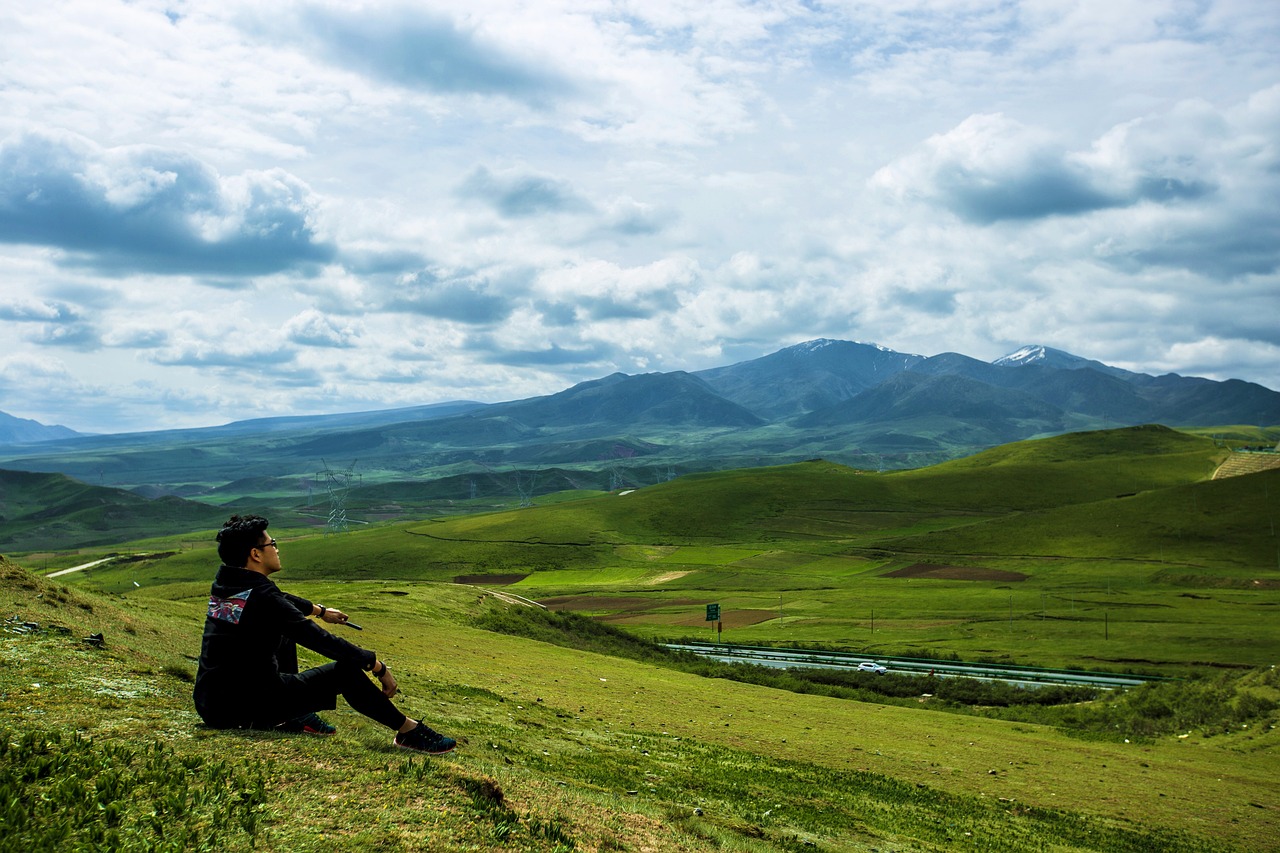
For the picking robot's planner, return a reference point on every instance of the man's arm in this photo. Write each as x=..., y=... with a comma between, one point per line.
x=295, y=624
x=304, y=605
x=328, y=614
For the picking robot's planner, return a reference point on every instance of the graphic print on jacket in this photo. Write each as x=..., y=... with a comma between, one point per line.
x=228, y=609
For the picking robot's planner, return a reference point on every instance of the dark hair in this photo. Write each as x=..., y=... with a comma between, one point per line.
x=238, y=536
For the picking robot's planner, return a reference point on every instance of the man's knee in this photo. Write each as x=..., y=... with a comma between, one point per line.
x=349, y=672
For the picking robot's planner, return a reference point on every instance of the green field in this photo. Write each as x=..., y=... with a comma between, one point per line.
x=1112, y=550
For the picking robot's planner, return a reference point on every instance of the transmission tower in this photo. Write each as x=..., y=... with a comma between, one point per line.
x=337, y=484
x=526, y=482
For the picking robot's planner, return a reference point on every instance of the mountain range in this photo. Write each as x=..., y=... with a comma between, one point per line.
x=21, y=430
x=855, y=403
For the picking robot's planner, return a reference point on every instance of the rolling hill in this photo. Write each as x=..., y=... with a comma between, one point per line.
x=52, y=510
x=1111, y=549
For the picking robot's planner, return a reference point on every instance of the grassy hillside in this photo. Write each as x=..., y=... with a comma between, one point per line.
x=1111, y=550
x=39, y=510
x=562, y=750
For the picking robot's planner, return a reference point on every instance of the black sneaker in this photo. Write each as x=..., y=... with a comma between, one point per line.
x=425, y=739
x=309, y=724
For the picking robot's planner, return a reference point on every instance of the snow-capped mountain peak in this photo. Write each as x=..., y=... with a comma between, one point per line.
x=1035, y=354
x=1027, y=355
x=822, y=343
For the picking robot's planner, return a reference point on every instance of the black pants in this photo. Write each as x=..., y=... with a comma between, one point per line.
x=318, y=689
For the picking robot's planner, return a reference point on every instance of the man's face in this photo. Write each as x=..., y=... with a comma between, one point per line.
x=268, y=554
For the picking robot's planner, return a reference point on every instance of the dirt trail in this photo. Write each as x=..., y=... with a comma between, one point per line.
x=79, y=568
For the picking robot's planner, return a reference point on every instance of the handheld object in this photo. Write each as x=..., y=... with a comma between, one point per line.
x=351, y=624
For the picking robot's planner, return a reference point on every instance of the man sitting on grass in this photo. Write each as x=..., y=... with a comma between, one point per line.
x=248, y=675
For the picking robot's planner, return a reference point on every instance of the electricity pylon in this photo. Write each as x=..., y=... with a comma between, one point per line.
x=337, y=484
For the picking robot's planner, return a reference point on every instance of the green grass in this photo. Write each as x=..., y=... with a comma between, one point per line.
x=37, y=510
x=581, y=750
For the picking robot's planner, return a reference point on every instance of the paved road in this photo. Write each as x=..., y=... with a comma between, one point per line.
x=1019, y=675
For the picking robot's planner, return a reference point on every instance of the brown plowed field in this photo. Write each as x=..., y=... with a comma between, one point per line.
x=728, y=619
x=628, y=608
x=933, y=571
x=618, y=602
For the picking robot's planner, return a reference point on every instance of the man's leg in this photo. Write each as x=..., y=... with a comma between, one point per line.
x=309, y=722
x=287, y=656
x=318, y=689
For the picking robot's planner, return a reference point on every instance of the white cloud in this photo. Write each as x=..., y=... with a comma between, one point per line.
x=143, y=208
x=311, y=328
x=991, y=168
x=498, y=200
x=1182, y=189
x=26, y=309
x=522, y=194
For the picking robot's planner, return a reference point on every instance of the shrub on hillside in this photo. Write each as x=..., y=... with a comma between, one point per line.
x=1156, y=709
x=74, y=793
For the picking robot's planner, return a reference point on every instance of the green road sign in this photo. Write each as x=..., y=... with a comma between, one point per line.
x=713, y=612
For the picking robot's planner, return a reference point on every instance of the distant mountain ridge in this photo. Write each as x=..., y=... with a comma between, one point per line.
x=856, y=403
x=816, y=375
x=22, y=430
x=660, y=398
x=806, y=377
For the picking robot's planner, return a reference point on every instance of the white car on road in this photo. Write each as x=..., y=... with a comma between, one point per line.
x=872, y=666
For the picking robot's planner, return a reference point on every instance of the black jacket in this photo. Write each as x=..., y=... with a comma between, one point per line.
x=248, y=615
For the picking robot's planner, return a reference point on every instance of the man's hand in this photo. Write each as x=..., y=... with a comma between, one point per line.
x=333, y=616
x=388, y=682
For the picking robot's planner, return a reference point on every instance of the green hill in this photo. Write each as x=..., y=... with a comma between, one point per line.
x=565, y=750
x=44, y=510
x=759, y=504
x=1112, y=550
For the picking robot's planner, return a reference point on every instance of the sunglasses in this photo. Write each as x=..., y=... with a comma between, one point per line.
x=271, y=544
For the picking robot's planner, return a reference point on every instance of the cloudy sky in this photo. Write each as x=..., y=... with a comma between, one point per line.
x=212, y=211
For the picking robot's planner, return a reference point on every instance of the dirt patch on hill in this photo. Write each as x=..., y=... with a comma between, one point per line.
x=669, y=576
x=933, y=571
